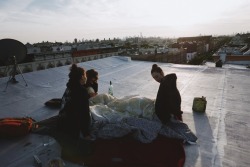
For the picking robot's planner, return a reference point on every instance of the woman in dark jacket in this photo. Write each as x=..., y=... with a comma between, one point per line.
x=75, y=112
x=168, y=100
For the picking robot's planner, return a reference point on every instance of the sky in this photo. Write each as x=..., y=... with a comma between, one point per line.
x=32, y=21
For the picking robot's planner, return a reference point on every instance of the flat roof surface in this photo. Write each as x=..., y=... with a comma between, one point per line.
x=223, y=131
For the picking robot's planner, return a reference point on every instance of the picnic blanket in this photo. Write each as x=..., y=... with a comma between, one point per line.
x=128, y=134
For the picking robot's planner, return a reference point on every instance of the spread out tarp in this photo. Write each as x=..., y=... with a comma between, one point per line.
x=127, y=134
x=123, y=151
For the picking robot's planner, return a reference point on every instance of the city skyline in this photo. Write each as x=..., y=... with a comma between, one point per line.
x=61, y=20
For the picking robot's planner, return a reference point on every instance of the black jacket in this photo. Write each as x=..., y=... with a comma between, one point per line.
x=168, y=100
x=75, y=114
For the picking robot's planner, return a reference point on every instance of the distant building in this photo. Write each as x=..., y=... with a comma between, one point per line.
x=237, y=52
x=59, y=48
x=190, y=49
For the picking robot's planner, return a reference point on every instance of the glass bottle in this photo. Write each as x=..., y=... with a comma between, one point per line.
x=110, y=88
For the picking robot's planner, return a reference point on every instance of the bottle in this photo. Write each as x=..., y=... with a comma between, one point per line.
x=110, y=88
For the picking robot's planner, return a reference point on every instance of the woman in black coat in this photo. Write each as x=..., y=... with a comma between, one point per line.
x=75, y=113
x=168, y=100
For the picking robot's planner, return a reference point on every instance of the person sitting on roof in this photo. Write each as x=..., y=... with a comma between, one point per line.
x=168, y=100
x=92, y=84
x=75, y=117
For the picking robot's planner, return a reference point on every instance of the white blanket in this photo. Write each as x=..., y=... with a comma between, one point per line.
x=113, y=117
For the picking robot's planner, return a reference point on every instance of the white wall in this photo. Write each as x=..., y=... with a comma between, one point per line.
x=190, y=56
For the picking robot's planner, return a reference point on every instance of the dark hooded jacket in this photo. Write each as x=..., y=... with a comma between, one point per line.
x=168, y=100
x=75, y=112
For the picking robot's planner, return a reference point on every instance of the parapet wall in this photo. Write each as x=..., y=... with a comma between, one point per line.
x=46, y=64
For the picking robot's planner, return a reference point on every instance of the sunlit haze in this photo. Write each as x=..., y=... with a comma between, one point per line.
x=64, y=20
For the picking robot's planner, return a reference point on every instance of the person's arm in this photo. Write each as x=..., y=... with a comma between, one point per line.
x=91, y=92
x=162, y=105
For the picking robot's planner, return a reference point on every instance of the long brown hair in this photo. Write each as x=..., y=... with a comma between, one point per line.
x=75, y=76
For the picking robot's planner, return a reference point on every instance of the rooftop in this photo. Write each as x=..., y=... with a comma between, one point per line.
x=223, y=131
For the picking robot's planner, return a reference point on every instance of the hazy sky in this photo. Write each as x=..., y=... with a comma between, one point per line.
x=63, y=20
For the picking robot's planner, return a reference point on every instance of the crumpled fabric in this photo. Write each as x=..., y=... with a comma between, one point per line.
x=113, y=117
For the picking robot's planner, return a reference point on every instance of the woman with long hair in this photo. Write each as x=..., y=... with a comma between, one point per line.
x=75, y=112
